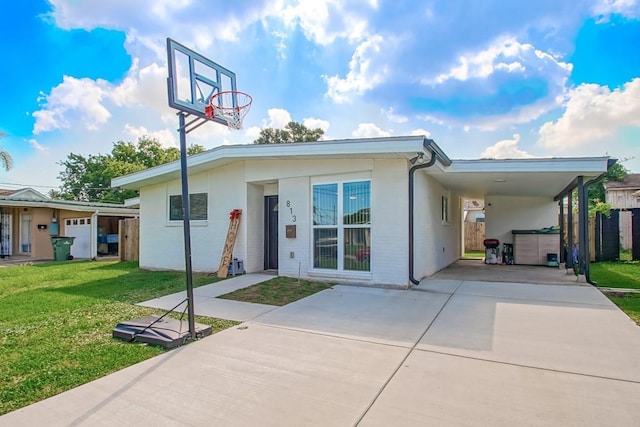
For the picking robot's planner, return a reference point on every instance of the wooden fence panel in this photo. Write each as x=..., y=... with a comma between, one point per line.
x=129, y=239
x=592, y=234
x=474, y=236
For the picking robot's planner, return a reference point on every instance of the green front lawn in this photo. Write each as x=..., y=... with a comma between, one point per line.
x=56, y=321
x=622, y=274
x=629, y=303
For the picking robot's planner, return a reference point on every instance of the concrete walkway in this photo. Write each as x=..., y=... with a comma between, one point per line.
x=206, y=303
x=456, y=353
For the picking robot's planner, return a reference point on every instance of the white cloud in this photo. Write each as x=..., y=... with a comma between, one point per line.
x=420, y=132
x=312, y=123
x=166, y=137
x=278, y=118
x=366, y=70
x=396, y=118
x=324, y=21
x=77, y=100
x=592, y=114
x=369, y=130
x=505, y=54
x=605, y=8
x=506, y=149
x=36, y=145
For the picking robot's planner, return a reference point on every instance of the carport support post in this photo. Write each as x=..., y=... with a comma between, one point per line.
x=562, y=242
x=186, y=219
x=583, y=227
x=569, y=263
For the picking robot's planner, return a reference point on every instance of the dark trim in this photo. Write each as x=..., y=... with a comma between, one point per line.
x=412, y=171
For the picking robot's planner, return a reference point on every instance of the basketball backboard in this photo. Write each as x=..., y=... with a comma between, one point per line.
x=194, y=79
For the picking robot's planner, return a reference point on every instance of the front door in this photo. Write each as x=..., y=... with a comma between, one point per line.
x=271, y=233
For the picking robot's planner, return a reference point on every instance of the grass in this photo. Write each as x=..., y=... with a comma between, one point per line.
x=473, y=254
x=629, y=303
x=622, y=274
x=56, y=321
x=277, y=291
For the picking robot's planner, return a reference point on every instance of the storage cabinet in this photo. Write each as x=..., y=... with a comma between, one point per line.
x=532, y=248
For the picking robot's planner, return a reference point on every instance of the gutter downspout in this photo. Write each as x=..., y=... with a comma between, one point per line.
x=412, y=171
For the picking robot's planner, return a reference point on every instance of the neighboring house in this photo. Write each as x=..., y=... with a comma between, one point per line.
x=624, y=195
x=473, y=211
x=379, y=211
x=28, y=220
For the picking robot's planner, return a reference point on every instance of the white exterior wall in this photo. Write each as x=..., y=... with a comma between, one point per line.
x=296, y=191
x=504, y=214
x=254, y=220
x=390, y=222
x=243, y=185
x=161, y=240
x=436, y=243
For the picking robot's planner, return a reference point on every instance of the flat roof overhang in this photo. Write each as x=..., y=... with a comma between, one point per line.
x=402, y=147
x=539, y=177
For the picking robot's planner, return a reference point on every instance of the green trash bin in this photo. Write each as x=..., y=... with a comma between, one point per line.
x=62, y=248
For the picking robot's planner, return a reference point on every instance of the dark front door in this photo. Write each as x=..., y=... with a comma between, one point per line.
x=271, y=233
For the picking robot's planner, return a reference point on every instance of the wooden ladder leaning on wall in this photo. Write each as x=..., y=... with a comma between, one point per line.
x=227, y=253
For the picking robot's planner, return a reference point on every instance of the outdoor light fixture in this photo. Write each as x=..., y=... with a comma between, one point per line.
x=419, y=158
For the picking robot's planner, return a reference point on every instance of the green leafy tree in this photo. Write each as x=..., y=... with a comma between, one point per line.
x=597, y=193
x=89, y=178
x=292, y=132
x=5, y=158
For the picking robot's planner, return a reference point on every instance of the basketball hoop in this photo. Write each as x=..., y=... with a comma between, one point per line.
x=230, y=106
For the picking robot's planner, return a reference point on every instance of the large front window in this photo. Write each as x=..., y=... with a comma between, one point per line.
x=342, y=226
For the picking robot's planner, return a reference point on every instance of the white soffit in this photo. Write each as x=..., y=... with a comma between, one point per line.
x=516, y=177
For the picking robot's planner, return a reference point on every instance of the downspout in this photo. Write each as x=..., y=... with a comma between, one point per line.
x=412, y=171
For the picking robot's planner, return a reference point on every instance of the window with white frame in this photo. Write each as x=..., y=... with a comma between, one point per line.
x=198, y=207
x=342, y=226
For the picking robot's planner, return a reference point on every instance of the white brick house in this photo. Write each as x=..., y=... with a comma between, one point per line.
x=349, y=202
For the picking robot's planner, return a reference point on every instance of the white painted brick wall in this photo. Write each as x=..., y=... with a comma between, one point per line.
x=297, y=192
x=504, y=214
x=436, y=245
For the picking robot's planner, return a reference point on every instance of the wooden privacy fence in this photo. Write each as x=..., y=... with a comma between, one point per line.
x=576, y=236
x=473, y=236
x=129, y=239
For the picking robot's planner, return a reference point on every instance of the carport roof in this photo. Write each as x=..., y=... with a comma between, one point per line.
x=537, y=177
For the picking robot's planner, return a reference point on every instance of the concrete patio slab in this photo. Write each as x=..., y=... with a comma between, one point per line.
x=254, y=376
x=396, y=317
x=436, y=389
x=590, y=339
x=206, y=303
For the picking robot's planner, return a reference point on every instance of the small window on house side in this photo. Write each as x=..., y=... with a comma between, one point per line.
x=445, y=209
x=198, y=207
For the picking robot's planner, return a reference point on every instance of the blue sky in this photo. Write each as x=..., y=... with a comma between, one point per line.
x=498, y=79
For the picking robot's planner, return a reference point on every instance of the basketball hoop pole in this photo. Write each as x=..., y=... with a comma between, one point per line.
x=186, y=218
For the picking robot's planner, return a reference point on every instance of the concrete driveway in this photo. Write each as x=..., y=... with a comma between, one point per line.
x=455, y=353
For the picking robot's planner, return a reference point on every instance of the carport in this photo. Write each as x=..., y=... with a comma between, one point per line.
x=526, y=194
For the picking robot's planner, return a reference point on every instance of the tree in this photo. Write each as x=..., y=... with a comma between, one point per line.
x=292, y=132
x=617, y=172
x=89, y=178
x=5, y=158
